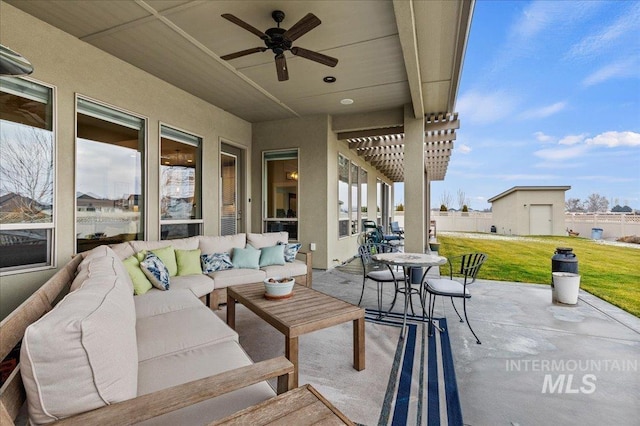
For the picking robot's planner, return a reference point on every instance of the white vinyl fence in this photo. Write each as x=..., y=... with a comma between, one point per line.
x=613, y=225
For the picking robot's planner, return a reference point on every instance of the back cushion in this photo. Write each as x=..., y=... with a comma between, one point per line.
x=101, y=261
x=224, y=244
x=190, y=243
x=83, y=354
x=267, y=239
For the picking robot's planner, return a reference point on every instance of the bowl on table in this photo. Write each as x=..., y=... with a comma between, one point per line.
x=278, y=287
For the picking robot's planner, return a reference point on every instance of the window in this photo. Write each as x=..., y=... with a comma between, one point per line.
x=180, y=183
x=26, y=175
x=343, y=196
x=280, y=192
x=364, y=203
x=355, y=199
x=109, y=179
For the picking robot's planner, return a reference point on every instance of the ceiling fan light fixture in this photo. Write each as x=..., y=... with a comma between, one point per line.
x=346, y=101
x=329, y=79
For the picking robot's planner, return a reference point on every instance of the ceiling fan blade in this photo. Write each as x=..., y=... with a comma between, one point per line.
x=314, y=56
x=244, y=25
x=303, y=26
x=281, y=68
x=243, y=53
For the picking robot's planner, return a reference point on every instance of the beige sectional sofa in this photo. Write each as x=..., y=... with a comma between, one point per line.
x=213, y=285
x=103, y=355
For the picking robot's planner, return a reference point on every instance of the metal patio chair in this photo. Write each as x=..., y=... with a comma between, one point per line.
x=469, y=265
x=378, y=272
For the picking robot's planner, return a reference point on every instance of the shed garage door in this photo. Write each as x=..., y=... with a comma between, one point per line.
x=540, y=219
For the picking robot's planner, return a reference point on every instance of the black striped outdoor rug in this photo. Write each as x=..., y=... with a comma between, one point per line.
x=422, y=388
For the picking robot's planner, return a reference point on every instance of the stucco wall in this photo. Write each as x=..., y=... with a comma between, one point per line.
x=73, y=66
x=309, y=134
x=512, y=213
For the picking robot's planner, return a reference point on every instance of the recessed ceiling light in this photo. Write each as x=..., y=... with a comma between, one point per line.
x=346, y=101
x=329, y=79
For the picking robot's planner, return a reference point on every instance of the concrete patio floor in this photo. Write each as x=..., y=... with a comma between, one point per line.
x=539, y=363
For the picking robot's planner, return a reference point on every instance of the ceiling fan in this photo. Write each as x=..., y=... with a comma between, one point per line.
x=279, y=40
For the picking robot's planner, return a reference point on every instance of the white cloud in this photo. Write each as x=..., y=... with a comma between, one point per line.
x=544, y=111
x=541, y=137
x=561, y=154
x=463, y=149
x=615, y=139
x=627, y=24
x=572, y=139
x=621, y=69
x=485, y=108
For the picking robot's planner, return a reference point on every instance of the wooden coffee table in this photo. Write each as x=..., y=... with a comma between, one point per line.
x=308, y=310
x=300, y=406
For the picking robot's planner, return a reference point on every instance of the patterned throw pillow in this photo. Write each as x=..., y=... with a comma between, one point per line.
x=290, y=251
x=155, y=270
x=215, y=262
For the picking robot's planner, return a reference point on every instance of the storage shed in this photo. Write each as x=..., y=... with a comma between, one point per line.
x=530, y=210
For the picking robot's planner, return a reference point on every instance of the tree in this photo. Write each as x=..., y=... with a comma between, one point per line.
x=445, y=200
x=26, y=169
x=596, y=203
x=574, y=205
x=619, y=209
x=400, y=207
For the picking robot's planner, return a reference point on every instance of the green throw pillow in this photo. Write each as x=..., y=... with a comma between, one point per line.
x=168, y=257
x=246, y=258
x=141, y=283
x=188, y=262
x=272, y=256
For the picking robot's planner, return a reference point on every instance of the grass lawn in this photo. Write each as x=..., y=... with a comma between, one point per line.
x=609, y=272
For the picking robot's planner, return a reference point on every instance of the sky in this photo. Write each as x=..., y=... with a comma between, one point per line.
x=549, y=96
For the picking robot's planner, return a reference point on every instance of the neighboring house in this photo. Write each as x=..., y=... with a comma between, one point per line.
x=86, y=202
x=530, y=210
x=12, y=202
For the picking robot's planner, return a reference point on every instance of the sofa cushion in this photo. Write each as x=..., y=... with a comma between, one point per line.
x=141, y=283
x=290, y=251
x=156, y=271
x=196, y=364
x=246, y=258
x=122, y=250
x=267, y=239
x=222, y=279
x=161, y=302
x=180, y=330
x=222, y=244
x=188, y=262
x=289, y=269
x=83, y=354
x=168, y=257
x=273, y=255
x=189, y=243
x=215, y=262
x=200, y=285
x=100, y=261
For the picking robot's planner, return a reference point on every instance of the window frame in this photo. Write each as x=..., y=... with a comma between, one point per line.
x=264, y=217
x=348, y=200
x=144, y=172
x=198, y=198
x=51, y=227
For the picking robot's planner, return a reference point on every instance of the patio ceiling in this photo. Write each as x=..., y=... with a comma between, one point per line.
x=391, y=54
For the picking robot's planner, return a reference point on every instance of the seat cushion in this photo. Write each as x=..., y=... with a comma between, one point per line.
x=200, y=285
x=228, y=277
x=289, y=269
x=446, y=287
x=386, y=275
x=163, y=372
x=180, y=330
x=161, y=302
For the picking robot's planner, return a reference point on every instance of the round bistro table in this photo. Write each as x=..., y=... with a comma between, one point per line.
x=408, y=261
